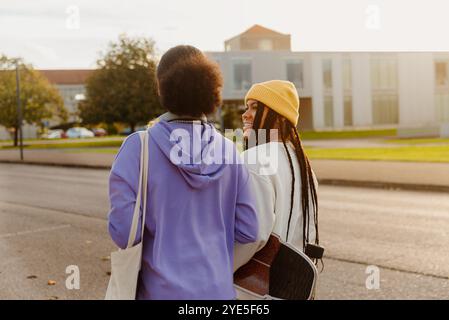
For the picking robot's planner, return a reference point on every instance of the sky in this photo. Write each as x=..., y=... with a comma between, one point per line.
x=69, y=34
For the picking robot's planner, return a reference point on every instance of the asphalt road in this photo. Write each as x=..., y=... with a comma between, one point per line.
x=52, y=218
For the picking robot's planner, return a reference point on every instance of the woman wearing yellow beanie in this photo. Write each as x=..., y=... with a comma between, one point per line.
x=282, y=178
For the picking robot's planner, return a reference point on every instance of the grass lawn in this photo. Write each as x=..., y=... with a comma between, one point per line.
x=92, y=150
x=62, y=139
x=409, y=153
x=419, y=141
x=354, y=134
x=105, y=142
x=64, y=144
x=419, y=153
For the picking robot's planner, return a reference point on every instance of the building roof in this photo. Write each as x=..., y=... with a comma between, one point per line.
x=66, y=76
x=258, y=30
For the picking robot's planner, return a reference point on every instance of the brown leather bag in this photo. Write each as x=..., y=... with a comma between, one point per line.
x=278, y=271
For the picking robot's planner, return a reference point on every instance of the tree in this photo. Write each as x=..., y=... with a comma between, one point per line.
x=232, y=115
x=39, y=99
x=123, y=88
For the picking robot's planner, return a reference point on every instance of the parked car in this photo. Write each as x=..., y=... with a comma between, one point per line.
x=53, y=134
x=79, y=132
x=99, y=132
x=127, y=131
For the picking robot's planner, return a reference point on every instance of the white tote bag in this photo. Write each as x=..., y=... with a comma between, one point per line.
x=126, y=263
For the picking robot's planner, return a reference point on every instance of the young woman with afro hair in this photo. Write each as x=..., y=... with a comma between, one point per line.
x=197, y=209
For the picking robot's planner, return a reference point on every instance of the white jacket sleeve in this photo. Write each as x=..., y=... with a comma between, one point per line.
x=312, y=218
x=265, y=201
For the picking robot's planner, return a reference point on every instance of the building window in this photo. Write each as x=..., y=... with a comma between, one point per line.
x=442, y=91
x=347, y=74
x=327, y=74
x=385, y=109
x=242, y=75
x=384, y=87
x=441, y=74
x=327, y=93
x=347, y=92
x=295, y=73
x=266, y=45
x=328, y=111
x=348, y=111
x=442, y=107
x=384, y=74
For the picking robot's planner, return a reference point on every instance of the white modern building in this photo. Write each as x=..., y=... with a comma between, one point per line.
x=341, y=89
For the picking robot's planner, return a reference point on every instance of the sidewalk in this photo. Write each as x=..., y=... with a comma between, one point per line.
x=392, y=174
x=404, y=175
x=57, y=157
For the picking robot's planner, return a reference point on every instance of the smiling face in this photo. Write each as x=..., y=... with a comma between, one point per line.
x=249, y=115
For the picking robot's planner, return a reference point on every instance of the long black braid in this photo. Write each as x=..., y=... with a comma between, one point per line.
x=292, y=199
x=311, y=183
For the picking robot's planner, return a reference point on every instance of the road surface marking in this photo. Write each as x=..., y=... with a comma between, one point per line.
x=20, y=233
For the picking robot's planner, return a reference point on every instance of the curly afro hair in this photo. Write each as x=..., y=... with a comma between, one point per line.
x=189, y=83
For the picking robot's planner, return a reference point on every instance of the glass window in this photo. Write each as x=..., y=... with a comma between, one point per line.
x=385, y=109
x=242, y=75
x=327, y=74
x=384, y=84
x=347, y=74
x=347, y=89
x=442, y=107
x=383, y=74
x=442, y=91
x=441, y=74
x=348, y=111
x=266, y=45
x=295, y=73
x=328, y=111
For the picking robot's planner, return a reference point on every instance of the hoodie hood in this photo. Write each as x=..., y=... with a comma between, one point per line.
x=196, y=149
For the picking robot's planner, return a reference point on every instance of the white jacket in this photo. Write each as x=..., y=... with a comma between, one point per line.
x=271, y=179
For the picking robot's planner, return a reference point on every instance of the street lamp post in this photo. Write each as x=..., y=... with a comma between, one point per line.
x=19, y=111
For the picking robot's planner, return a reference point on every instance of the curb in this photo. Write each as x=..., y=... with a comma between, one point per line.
x=55, y=164
x=329, y=182
x=384, y=185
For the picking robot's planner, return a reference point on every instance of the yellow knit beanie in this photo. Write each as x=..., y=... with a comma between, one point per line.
x=278, y=95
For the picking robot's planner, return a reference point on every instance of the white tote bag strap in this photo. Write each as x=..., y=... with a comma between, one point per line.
x=143, y=174
x=146, y=164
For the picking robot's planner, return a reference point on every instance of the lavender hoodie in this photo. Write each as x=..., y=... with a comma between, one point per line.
x=195, y=212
